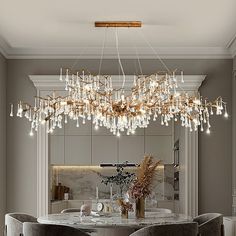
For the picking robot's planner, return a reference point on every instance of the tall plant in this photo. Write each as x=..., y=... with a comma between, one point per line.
x=142, y=184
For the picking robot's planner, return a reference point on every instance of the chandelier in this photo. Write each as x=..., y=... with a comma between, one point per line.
x=94, y=98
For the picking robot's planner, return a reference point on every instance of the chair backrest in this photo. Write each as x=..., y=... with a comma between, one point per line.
x=158, y=210
x=35, y=229
x=210, y=224
x=185, y=229
x=14, y=223
x=70, y=210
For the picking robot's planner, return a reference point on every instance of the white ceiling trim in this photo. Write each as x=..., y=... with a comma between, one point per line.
x=52, y=82
x=4, y=47
x=233, y=48
x=126, y=53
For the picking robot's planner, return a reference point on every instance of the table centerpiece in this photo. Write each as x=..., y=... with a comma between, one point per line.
x=141, y=186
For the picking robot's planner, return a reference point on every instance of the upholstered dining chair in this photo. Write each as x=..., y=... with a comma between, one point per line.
x=14, y=223
x=184, y=229
x=36, y=229
x=69, y=210
x=210, y=224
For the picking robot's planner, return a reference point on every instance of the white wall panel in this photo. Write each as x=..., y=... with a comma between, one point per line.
x=104, y=149
x=131, y=148
x=78, y=150
x=57, y=150
x=161, y=147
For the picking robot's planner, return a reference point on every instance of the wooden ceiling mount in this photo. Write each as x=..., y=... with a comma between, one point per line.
x=128, y=24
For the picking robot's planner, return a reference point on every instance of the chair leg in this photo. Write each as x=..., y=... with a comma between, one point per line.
x=5, y=231
x=222, y=230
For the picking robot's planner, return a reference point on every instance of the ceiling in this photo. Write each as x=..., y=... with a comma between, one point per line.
x=65, y=29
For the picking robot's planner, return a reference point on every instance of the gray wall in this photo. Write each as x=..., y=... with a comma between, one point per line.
x=234, y=127
x=3, y=77
x=214, y=151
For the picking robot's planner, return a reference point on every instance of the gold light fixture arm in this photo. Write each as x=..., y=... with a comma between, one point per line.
x=127, y=24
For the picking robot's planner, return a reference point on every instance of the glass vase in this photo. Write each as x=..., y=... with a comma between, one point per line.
x=124, y=214
x=140, y=208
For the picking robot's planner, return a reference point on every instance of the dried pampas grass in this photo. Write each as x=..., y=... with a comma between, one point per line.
x=141, y=186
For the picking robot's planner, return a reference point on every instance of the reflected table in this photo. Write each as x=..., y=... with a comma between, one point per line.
x=112, y=224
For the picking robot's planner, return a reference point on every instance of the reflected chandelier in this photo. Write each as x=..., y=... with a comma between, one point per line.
x=93, y=97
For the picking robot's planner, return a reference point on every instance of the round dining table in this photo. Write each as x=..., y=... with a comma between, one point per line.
x=101, y=224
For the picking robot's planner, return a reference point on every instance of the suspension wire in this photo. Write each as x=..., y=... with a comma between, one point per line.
x=155, y=52
x=119, y=73
x=139, y=63
x=102, y=54
x=118, y=55
x=158, y=57
x=135, y=67
x=76, y=61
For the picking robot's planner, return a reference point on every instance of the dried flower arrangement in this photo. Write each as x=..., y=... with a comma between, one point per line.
x=125, y=205
x=141, y=186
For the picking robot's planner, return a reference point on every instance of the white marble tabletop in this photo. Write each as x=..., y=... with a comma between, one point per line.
x=113, y=219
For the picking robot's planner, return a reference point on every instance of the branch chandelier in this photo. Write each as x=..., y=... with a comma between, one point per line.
x=93, y=97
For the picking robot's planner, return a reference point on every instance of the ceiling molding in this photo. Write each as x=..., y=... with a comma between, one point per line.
x=125, y=52
x=233, y=48
x=52, y=82
x=4, y=47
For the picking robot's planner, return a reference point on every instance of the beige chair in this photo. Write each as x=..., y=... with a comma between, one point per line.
x=35, y=229
x=185, y=229
x=69, y=210
x=14, y=223
x=210, y=224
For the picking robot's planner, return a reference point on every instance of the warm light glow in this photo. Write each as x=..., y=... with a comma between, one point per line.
x=150, y=97
x=43, y=122
x=93, y=167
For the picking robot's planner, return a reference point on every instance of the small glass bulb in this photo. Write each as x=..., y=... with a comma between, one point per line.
x=11, y=113
x=208, y=131
x=182, y=77
x=61, y=74
x=31, y=133
x=66, y=120
x=96, y=127
x=212, y=113
x=226, y=115
x=77, y=123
